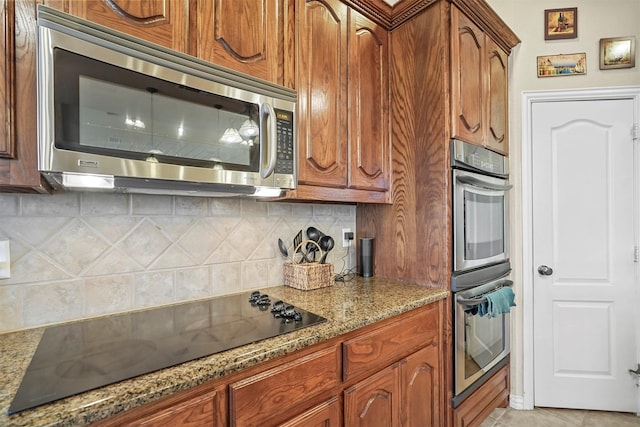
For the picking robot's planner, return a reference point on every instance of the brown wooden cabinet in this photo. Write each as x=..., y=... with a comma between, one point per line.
x=274, y=395
x=342, y=84
x=322, y=87
x=368, y=105
x=200, y=406
x=437, y=71
x=18, y=149
x=498, y=102
x=374, y=401
x=387, y=373
x=478, y=86
x=255, y=37
x=422, y=389
x=326, y=414
x=491, y=395
x=157, y=21
x=7, y=79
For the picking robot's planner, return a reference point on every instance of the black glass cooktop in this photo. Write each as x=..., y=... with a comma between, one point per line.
x=74, y=358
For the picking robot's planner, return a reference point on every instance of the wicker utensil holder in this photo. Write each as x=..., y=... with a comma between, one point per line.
x=308, y=276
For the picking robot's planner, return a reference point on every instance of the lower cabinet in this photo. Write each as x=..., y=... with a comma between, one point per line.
x=374, y=401
x=422, y=389
x=272, y=396
x=200, y=406
x=385, y=374
x=491, y=395
x=326, y=414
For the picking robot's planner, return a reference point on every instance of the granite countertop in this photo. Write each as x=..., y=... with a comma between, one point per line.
x=346, y=306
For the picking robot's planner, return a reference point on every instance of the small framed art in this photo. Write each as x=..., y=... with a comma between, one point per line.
x=618, y=52
x=562, y=65
x=561, y=23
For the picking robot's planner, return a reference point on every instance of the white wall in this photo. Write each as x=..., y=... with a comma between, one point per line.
x=596, y=19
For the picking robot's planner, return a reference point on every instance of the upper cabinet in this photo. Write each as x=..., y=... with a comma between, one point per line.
x=497, y=103
x=322, y=92
x=478, y=86
x=342, y=84
x=251, y=36
x=368, y=105
x=158, y=21
x=18, y=150
x=7, y=79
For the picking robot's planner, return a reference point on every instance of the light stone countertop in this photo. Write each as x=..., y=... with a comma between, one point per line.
x=346, y=306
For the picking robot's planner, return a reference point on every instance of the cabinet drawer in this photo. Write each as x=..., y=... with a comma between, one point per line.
x=260, y=399
x=378, y=348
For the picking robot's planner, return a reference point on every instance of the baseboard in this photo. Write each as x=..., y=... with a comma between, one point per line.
x=516, y=402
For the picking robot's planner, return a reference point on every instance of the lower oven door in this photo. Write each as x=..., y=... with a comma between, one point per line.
x=480, y=342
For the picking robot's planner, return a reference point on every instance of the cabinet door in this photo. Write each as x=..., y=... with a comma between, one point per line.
x=467, y=81
x=375, y=401
x=7, y=82
x=421, y=389
x=324, y=415
x=497, y=102
x=250, y=36
x=368, y=105
x=322, y=87
x=491, y=395
x=19, y=160
x=158, y=21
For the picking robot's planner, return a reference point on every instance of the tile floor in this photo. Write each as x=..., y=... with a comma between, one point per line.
x=552, y=417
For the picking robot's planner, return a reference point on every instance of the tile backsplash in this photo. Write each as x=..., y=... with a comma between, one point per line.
x=79, y=255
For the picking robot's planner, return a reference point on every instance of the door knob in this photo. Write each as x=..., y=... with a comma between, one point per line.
x=545, y=270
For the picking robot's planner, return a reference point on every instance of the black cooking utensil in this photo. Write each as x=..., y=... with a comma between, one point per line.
x=283, y=248
x=314, y=234
x=298, y=248
x=326, y=243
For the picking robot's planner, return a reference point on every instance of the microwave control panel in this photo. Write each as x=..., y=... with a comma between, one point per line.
x=284, y=125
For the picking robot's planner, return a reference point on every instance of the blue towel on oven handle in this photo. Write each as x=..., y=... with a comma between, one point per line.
x=498, y=302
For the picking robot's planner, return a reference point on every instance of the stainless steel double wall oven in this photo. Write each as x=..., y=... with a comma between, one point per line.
x=480, y=265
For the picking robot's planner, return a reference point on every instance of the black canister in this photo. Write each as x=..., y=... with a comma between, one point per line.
x=366, y=256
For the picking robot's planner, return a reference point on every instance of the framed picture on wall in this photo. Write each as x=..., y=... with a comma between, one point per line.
x=618, y=52
x=561, y=23
x=562, y=65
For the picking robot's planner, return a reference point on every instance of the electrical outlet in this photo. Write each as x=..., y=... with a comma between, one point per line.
x=346, y=241
x=5, y=260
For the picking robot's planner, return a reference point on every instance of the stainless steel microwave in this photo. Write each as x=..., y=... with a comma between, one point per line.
x=116, y=113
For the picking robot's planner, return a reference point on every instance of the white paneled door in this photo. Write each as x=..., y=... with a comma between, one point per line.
x=584, y=283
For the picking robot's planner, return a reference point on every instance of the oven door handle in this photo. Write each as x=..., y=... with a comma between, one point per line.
x=476, y=182
x=480, y=300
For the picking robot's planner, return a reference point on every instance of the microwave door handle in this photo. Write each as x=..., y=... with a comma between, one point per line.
x=269, y=145
x=476, y=182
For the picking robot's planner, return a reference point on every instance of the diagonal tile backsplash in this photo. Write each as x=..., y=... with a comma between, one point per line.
x=78, y=255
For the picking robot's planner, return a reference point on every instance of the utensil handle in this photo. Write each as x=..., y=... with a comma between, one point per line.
x=304, y=255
